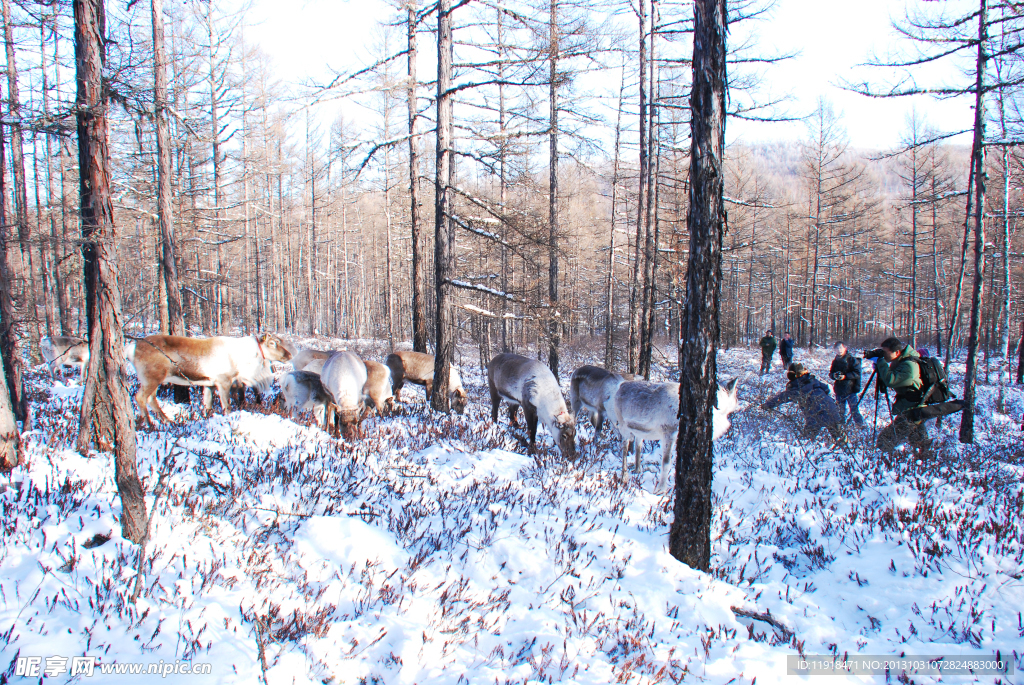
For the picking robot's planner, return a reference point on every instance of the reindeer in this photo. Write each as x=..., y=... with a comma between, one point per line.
x=418, y=368
x=378, y=387
x=344, y=375
x=525, y=382
x=311, y=360
x=62, y=350
x=650, y=411
x=593, y=388
x=209, y=362
x=303, y=390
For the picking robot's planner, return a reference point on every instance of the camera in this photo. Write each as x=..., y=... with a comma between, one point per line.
x=874, y=354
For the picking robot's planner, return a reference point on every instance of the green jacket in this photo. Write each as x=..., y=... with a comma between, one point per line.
x=768, y=345
x=902, y=376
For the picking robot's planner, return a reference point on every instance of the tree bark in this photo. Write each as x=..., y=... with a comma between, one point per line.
x=444, y=227
x=609, y=350
x=169, y=248
x=106, y=417
x=973, y=338
x=8, y=333
x=20, y=192
x=635, y=296
x=554, y=317
x=690, y=535
x=419, y=277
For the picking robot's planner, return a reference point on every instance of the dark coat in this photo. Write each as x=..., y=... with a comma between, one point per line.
x=846, y=372
x=814, y=399
x=786, y=348
x=768, y=345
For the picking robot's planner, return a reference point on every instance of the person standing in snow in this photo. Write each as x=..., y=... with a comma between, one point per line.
x=768, y=345
x=898, y=369
x=786, y=350
x=813, y=398
x=846, y=372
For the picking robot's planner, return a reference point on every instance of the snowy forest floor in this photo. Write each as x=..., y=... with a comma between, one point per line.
x=436, y=551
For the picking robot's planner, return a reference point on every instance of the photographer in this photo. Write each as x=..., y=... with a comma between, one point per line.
x=897, y=369
x=846, y=372
x=814, y=399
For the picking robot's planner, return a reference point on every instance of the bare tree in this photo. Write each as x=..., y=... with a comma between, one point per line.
x=444, y=226
x=690, y=534
x=106, y=416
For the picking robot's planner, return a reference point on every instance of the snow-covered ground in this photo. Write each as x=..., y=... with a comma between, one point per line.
x=437, y=551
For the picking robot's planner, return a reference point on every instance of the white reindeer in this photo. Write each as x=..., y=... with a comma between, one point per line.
x=650, y=411
x=593, y=388
x=525, y=382
x=61, y=350
x=303, y=390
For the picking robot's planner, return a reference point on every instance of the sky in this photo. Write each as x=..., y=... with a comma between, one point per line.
x=832, y=38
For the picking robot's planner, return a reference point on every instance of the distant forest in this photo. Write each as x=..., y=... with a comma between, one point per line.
x=569, y=198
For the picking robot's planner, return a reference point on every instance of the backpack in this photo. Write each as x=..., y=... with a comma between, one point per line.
x=934, y=385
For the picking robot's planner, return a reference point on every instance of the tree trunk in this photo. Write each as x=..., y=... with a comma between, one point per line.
x=635, y=297
x=8, y=333
x=20, y=192
x=106, y=417
x=609, y=349
x=690, y=535
x=169, y=249
x=419, y=294
x=444, y=227
x=554, y=315
x=973, y=339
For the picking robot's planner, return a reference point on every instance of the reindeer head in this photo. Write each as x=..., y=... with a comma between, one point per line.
x=727, y=402
x=459, y=400
x=274, y=348
x=565, y=435
x=348, y=422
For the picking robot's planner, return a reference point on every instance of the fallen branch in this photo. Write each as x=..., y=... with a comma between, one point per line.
x=767, y=617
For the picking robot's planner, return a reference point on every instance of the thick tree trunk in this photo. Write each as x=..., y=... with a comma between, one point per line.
x=690, y=535
x=554, y=314
x=973, y=338
x=419, y=277
x=444, y=227
x=106, y=418
x=8, y=332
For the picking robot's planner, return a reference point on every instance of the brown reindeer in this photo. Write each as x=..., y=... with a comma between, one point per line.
x=418, y=368
x=378, y=387
x=208, y=362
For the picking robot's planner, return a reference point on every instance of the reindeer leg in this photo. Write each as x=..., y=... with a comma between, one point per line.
x=141, y=399
x=513, y=415
x=627, y=443
x=597, y=419
x=428, y=386
x=665, y=457
x=224, y=391
x=495, y=401
x=531, y=426
x=637, y=447
x=208, y=401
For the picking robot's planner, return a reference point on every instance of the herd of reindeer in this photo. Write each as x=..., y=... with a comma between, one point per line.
x=341, y=389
